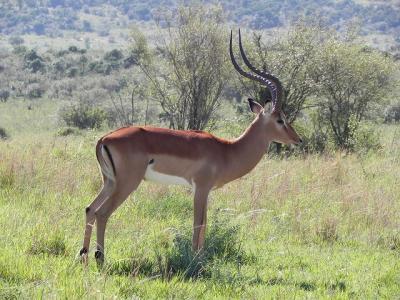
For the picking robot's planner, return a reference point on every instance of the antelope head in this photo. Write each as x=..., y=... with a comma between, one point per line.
x=276, y=125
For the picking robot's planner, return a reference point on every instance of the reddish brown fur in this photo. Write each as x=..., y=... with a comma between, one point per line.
x=188, y=144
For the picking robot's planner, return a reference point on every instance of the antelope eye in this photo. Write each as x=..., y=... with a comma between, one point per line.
x=280, y=121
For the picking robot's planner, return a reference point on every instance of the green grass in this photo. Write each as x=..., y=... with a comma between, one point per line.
x=313, y=227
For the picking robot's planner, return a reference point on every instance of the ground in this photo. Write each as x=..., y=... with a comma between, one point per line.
x=314, y=226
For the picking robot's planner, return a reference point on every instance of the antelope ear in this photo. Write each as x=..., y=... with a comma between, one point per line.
x=254, y=106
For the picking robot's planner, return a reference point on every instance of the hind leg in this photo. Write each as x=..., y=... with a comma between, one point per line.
x=103, y=213
x=104, y=194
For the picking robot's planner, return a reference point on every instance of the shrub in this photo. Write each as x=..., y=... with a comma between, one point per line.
x=3, y=134
x=100, y=67
x=20, y=50
x=33, y=61
x=314, y=142
x=366, y=138
x=222, y=245
x=314, y=134
x=65, y=131
x=16, y=40
x=4, y=94
x=113, y=55
x=83, y=116
x=392, y=113
x=72, y=72
x=318, y=138
x=34, y=90
x=73, y=49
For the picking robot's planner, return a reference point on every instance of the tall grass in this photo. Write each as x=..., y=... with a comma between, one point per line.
x=315, y=226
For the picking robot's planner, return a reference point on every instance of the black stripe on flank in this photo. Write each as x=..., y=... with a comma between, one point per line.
x=110, y=157
x=151, y=161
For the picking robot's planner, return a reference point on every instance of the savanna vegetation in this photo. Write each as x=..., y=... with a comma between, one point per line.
x=317, y=221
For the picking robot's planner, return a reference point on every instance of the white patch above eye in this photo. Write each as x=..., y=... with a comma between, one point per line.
x=154, y=176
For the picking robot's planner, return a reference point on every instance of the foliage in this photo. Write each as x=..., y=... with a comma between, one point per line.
x=33, y=61
x=351, y=80
x=4, y=95
x=392, y=113
x=50, y=17
x=291, y=57
x=320, y=70
x=125, y=101
x=178, y=259
x=315, y=136
x=83, y=116
x=113, y=55
x=366, y=138
x=16, y=40
x=173, y=89
x=34, y=90
x=66, y=131
x=190, y=81
x=3, y=134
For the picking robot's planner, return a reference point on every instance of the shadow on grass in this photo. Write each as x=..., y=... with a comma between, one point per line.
x=55, y=246
x=307, y=286
x=222, y=245
x=9, y=293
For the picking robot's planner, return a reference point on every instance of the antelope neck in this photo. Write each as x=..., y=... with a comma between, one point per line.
x=247, y=150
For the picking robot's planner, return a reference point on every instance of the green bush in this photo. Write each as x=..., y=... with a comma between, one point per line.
x=3, y=134
x=366, y=138
x=392, y=113
x=66, y=131
x=318, y=138
x=4, y=94
x=35, y=90
x=83, y=116
x=16, y=40
x=222, y=244
x=314, y=142
x=315, y=135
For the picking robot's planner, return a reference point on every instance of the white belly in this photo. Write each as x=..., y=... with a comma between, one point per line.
x=154, y=176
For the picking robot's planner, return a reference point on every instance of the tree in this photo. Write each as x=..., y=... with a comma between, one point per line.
x=188, y=70
x=125, y=102
x=320, y=69
x=33, y=61
x=352, y=79
x=291, y=57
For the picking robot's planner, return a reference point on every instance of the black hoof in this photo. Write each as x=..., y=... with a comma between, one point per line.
x=99, y=258
x=83, y=251
x=83, y=256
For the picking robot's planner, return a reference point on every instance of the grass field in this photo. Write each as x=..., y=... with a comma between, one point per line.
x=303, y=227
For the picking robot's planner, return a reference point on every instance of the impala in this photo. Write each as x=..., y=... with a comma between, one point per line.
x=195, y=159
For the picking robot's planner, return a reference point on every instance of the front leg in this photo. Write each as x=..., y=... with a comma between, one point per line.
x=200, y=217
